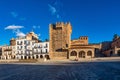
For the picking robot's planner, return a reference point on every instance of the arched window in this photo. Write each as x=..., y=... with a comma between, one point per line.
x=73, y=53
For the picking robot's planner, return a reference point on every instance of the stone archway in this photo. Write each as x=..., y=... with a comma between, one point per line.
x=33, y=57
x=73, y=53
x=82, y=54
x=89, y=53
x=41, y=56
x=21, y=57
x=25, y=57
x=47, y=57
x=29, y=57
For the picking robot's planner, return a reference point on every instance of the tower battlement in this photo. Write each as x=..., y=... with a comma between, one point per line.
x=83, y=38
x=60, y=25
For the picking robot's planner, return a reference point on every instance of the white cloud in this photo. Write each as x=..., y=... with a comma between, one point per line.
x=19, y=33
x=13, y=27
x=16, y=30
x=52, y=9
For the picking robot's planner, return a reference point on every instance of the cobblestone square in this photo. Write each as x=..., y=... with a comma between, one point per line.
x=61, y=71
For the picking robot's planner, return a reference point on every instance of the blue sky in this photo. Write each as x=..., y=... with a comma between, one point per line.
x=98, y=19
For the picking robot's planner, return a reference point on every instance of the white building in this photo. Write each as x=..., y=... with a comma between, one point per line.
x=41, y=49
x=24, y=48
x=27, y=47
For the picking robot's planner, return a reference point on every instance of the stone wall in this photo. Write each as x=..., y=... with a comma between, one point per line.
x=60, y=38
x=59, y=55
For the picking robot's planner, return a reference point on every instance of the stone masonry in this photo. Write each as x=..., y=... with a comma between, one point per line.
x=60, y=39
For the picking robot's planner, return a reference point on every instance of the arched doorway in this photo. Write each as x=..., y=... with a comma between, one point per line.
x=118, y=52
x=89, y=53
x=82, y=54
x=73, y=53
x=29, y=57
x=41, y=56
x=21, y=57
x=25, y=57
x=33, y=57
x=47, y=57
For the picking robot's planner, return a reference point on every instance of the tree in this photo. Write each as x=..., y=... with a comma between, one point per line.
x=115, y=36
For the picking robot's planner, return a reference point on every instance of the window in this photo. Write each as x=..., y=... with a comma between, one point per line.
x=41, y=50
x=25, y=42
x=21, y=47
x=66, y=45
x=46, y=45
x=46, y=51
x=17, y=42
x=27, y=52
x=21, y=43
x=25, y=47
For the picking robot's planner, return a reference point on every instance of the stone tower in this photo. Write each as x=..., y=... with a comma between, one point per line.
x=60, y=39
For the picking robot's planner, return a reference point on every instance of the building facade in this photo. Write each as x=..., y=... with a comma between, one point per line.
x=62, y=47
x=113, y=48
x=59, y=46
x=27, y=47
x=80, y=48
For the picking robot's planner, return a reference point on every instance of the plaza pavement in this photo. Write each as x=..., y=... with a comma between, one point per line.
x=97, y=69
